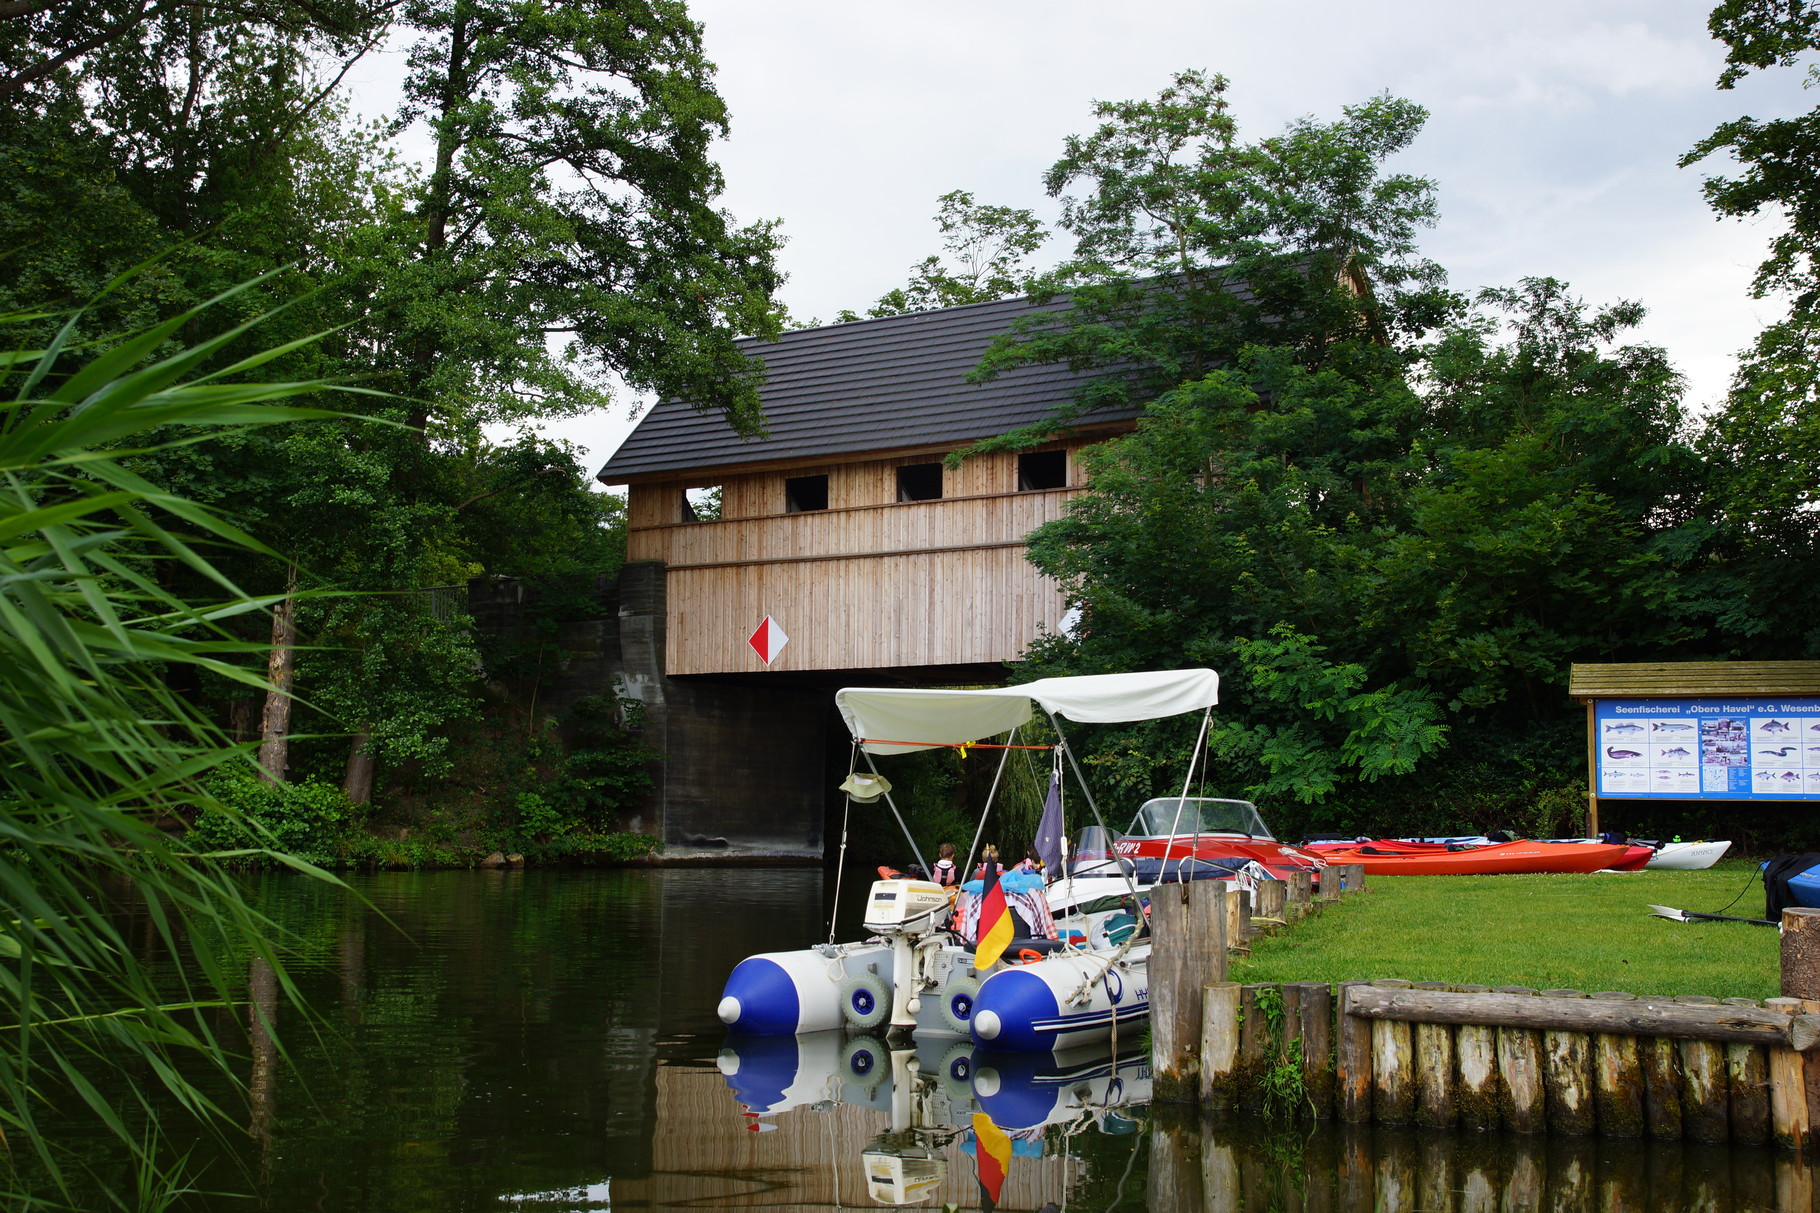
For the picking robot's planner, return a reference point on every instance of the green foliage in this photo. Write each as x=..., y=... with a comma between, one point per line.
x=97, y=749
x=987, y=245
x=309, y=820
x=1281, y=1083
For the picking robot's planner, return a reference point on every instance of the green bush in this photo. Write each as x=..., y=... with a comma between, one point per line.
x=311, y=820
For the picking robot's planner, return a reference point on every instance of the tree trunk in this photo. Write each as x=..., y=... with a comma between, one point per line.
x=280, y=675
x=357, y=777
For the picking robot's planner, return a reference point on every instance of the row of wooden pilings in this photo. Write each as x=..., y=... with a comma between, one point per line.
x=1433, y=1055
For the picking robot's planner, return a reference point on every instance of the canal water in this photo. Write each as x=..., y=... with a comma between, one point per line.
x=546, y=1041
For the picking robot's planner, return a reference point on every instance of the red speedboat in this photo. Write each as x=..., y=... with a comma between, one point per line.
x=1392, y=857
x=1199, y=838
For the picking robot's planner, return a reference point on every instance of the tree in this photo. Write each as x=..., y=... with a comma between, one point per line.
x=988, y=246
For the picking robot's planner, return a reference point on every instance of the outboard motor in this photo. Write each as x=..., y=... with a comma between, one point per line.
x=905, y=912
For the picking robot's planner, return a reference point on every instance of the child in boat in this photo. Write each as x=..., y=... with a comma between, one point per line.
x=946, y=872
x=1031, y=862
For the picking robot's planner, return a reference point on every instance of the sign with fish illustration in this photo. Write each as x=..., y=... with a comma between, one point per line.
x=1743, y=748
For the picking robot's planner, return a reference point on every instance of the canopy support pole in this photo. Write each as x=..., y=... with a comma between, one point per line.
x=1176, y=825
x=1086, y=791
x=966, y=872
x=928, y=872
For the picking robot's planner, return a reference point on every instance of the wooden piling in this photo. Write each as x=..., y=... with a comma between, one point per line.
x=1476, y=1055
x=1315, y=1027
x=1521, y=1099
x=1788, y=1119
x=1238, y=922
x=1352, y=878
x=1269, y=898
x=1747, y=1090
x=1434, y=1064
x=1661, y=1063
x=1617, y=1079
x=1567, y=1076
x=1254, y=1043
x=1188, y=923
x=1220, y=1044
x=1331, y=880
x=1299, y=893
x=1800, y=953
x=1352, y=1061
x=1703, y=1084
x=1392, y=1065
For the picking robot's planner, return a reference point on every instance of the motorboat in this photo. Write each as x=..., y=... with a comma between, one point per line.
x=1398, y=857
x=911, y=971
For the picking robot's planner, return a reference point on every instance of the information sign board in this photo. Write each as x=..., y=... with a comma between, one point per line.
x=1742, y=748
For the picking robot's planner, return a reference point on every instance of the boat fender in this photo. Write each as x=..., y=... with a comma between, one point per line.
x=865, y=1000
x=958, y=996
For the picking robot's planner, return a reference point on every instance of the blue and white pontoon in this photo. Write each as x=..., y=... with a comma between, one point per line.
x=913, y=972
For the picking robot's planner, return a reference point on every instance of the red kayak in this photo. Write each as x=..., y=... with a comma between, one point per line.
x=1387, y=857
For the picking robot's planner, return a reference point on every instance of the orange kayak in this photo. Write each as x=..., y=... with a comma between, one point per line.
x=1388, y=858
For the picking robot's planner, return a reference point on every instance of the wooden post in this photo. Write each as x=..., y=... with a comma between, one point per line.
x=1433, y=1043
x=1219, y=1044
x=1267, y=915
x=1703, y=1085
x=1617, y=1079
x=1352, y=1061
x=1189, y=951
x=1567, y=1076
x=1238, y=921
x=1254, y=1044
x=1392, y=1065
x=1800, y=953
x=1789, y=1125
x=1315, y=1026
x=1331, y=880
x=1299, y=895
x=1352, y=878
x=1747, y=1087
x=1592, y=771
x=1661, y=1062
x=1476, y=1054
x=1520, y=1065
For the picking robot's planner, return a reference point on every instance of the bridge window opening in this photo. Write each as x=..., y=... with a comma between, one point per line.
x=702, y=504
x=805, y=493
x=919, y=482
x=1042, y=470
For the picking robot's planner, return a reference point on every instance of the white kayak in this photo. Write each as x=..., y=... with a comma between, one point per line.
x=1687, y=856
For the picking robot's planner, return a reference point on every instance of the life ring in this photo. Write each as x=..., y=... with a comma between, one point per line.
x=865, y=1000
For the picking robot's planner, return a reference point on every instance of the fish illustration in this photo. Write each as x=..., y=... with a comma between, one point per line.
x=1683, y=752
x=1791, y=775
x=1611, y=753
x=1671, y=728
x=1784, y=752
x=1626, y=727
x=1775, y=726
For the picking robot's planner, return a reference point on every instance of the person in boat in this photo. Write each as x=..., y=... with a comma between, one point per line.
x=947, y=872
x=1032, y=863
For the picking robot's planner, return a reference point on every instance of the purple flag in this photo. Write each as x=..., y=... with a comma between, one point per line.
x=1049, y=829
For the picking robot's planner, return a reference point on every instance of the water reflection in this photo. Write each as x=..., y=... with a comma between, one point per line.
x=507, y=1041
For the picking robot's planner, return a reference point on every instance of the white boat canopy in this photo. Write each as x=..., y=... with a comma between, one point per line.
x=897, y=720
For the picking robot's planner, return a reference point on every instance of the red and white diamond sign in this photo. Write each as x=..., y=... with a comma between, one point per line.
x=768, y=641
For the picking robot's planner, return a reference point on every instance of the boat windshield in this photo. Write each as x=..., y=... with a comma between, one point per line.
x=1092, y=844
x=1196, y=815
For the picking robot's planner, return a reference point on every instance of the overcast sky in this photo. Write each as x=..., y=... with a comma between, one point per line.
x=1553, y=133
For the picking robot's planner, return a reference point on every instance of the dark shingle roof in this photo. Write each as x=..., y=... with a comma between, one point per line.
x=872, y=385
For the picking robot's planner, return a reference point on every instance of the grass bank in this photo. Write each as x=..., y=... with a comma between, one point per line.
x=1585, y=932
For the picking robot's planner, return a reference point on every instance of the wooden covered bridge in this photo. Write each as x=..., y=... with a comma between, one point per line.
x=870, y=560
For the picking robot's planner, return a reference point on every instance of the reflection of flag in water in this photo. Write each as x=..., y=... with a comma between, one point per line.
x=1049, y=829
x=995, y=922
x=992, y=1154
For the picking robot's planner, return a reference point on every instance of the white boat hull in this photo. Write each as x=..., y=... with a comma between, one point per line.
x=1062, y=1002
x=1687, y=856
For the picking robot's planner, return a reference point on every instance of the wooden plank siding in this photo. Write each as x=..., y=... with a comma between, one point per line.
x=869, y=582
x=1687, y=679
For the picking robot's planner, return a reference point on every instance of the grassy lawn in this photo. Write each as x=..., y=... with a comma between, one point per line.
x=1585, y=932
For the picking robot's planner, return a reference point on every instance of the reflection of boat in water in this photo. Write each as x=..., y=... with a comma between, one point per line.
x=935, y=1095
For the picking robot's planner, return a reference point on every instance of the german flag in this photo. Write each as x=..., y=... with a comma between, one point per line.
x=992, y=1154
x=995, y=922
